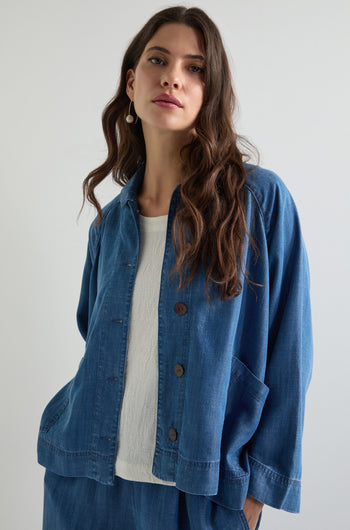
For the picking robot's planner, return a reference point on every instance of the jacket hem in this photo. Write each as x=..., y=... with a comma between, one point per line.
x=232, y=490
x=206, y=478
x=225, y=487
x=73, y=463
x=272, y=488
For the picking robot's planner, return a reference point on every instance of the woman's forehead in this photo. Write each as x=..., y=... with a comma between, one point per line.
x=178, y=39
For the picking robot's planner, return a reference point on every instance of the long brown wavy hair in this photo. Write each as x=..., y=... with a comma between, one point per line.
x=212, y=205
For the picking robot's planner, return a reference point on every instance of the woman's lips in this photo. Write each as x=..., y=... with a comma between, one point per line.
x=166, y=104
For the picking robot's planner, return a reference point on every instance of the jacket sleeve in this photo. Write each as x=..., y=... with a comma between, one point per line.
x=88, y=288
x=275, y=450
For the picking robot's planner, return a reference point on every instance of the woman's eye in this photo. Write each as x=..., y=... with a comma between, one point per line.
x=201, y=70
x=154, y=58
x=198, y=71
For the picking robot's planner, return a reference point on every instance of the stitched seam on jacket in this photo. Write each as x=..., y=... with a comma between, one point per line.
x=75, y=453
x=273, y=474
x=258, y=204
x=191, y=463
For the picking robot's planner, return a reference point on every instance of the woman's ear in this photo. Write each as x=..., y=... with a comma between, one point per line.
x=130, y=77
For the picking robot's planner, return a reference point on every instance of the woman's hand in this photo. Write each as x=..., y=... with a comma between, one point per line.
x=252, y=509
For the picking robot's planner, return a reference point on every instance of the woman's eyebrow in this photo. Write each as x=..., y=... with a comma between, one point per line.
x=164, y=50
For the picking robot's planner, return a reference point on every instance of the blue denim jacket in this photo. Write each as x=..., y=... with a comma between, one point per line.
x=230, y=422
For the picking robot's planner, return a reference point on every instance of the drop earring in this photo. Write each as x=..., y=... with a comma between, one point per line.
x=130, y=118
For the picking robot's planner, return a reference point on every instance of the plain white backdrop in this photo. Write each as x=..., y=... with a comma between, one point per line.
x=60, y=64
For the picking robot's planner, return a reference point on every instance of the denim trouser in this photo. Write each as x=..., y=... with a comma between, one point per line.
x=77, y=503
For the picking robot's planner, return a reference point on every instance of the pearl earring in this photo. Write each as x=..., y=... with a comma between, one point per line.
x=130, y=118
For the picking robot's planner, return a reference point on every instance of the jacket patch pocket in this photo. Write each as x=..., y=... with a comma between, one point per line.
x=253, y=385
x=55, y=408
x=245, y=402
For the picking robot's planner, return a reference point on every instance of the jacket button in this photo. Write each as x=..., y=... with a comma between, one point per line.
x=180, y=308
x=172, y=435
x=179, y=370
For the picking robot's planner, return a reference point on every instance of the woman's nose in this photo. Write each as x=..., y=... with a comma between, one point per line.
x=170, y=83
x=171, y=77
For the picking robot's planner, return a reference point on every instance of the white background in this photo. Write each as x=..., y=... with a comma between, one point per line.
x=60, y=64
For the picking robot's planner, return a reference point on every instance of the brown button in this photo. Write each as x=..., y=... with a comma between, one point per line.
x=180, y=308
x=179, y=370
x=172, y=435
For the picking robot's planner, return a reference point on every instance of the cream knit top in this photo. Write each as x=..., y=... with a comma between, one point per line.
x=138, y=417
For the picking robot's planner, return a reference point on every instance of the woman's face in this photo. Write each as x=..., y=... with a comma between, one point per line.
x=169, y=71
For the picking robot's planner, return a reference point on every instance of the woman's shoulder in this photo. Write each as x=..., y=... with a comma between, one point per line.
x=96, y=230
x=271, y=194
x=264, y=182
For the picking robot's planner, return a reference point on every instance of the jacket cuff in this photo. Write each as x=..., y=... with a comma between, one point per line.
x=273, y=489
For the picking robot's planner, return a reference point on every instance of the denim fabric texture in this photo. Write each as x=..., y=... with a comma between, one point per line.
x=76, y=503
x=232, y=424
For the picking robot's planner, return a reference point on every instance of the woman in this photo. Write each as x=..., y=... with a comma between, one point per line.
x=187, y=407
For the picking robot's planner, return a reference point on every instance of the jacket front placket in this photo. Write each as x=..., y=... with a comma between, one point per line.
x=173, y=318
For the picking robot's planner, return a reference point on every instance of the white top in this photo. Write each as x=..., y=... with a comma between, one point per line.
x=138, y=417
